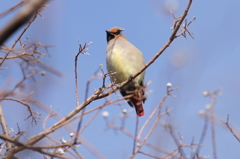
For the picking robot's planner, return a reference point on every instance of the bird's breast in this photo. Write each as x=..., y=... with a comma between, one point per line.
x=119, y=64
x=124, y=60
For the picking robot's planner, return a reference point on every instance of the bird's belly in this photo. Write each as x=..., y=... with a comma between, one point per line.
x=121, y=67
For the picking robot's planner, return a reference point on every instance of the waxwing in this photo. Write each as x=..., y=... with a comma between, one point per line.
x=124, y=60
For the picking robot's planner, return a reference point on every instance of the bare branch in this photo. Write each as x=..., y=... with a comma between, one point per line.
x=12, y=8
x=230, y=128
x=4, y=126
x=22, y=17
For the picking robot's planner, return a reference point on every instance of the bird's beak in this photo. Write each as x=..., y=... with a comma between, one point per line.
x=108, y=32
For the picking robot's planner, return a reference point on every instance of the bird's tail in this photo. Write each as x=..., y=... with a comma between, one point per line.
x=137, y=102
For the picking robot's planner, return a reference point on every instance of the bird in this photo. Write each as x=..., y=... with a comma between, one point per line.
x=123, y=60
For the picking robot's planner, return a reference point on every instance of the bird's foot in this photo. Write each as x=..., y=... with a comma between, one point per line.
x=131, y=78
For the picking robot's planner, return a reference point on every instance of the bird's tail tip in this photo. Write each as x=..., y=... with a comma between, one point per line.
x=140, y=114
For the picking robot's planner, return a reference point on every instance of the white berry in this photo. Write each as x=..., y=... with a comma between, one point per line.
x=169, y=84
x=124, y=111
x=105, y=114
x=205, y=93
x=71, y=134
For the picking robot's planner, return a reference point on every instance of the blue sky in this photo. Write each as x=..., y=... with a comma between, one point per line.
x=207, y=62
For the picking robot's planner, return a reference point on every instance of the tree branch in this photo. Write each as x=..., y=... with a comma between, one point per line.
x=22, y=17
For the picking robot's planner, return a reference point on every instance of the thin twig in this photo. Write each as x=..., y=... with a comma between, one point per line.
x=230, y=128
x=149, y=133
x=149, y=155
x=176, y=140
x=28, y=147
x=12, y=8
x=214, y=145
x=83, y=51
x=136, y=132
x=93, y=150
x=4, y=126
x=20, y=19
x=203, y=135
x=153, y=113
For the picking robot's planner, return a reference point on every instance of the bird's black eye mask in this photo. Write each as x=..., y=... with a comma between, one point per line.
x=117, y=32
x=110, y=35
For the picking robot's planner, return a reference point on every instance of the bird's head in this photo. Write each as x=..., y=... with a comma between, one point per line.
x=114, y=33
